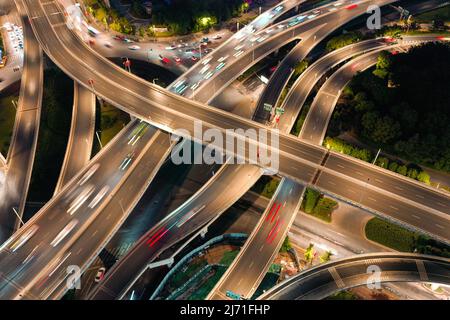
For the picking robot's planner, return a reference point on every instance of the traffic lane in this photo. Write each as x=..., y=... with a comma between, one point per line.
x=81, y=137
x=205, y=115
x=251, y=265
x=388, y=181
x=23, y=143
x=53, y=257
x=202, y=114
x=110, y=73
x=167, y=233
x=387, y=204
x=110, y=217
x=259, y=23
x=278, y=38
x=316, y=122
x=282, y=74
x=320, y=282
x=51, y=224
x=307, y=80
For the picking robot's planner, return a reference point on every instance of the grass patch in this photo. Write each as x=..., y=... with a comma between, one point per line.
x=183, y=276
x=343, y=295
x=228, y=257
x=270, y=280
x=315, y=204
x=324, y=209
x=390, y=235
x=202, y=292
x=266, y=186
x=300, y=120
x=112, y=120
x=437, y=14
x=401, y=239
x=7, y=117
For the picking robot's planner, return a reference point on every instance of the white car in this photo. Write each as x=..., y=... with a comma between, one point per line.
x=64, y=232
x=24, y=238
x=134, y=47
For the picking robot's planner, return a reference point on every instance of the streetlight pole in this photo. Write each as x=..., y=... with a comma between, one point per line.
x=18, y=216
x=99, y=141
x=376, y=157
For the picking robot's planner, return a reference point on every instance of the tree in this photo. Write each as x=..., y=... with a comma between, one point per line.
x=382, y=162
x=424, y=177
x=326, y=256
x=402, y=170
x=286, y=246
x=310, y=253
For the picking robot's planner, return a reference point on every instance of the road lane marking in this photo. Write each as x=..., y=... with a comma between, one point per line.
x=393, y=207
x=441, y=204
x=439, y=226
x=417, y=217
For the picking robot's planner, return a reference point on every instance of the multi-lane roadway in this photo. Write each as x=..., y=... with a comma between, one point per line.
x=369, y=269
x=21, y=152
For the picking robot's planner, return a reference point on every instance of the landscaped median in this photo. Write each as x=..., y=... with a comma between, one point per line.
x=401, y=239
x=317, y=205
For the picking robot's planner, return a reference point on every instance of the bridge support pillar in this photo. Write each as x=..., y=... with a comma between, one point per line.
x=166, y=262
x=204, y=232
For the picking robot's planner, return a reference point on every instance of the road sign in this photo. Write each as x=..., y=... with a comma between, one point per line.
x=279, y=111
x=267, y=107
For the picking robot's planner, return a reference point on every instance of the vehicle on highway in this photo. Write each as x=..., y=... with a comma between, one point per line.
x=205, y=61
x=128, y=40
x=220, y=65
x=98, y=197
x=64, y=232
x=138, y=133
x=24, y=238
x=221, y=59
x=80, y=199
x=208, y=75
x=217, y=36
x=108, y=44
x=119, y=38
x=172, y=47
x=195, y=85
x=92, y=31
x=189, y=215
x=194, y=58
x=134, y=47
x=177, y=59
x=100, y=274
x=204, y=69
x=89, y=173
x=239, y=53
x=165, y=60
x=126, y=161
